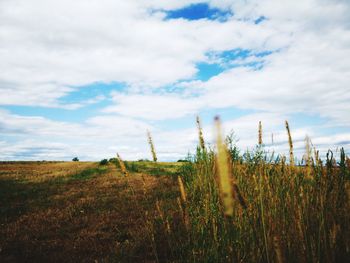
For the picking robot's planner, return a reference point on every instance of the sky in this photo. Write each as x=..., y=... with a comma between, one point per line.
x=89, y=78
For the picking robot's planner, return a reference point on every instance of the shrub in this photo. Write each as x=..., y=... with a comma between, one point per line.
x=75, y=159
x=104, y=162
x=131, y=166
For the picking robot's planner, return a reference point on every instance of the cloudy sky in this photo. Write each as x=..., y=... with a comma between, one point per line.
x=88, y=78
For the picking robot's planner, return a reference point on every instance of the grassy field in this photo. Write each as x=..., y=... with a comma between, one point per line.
x=77, y=212
x=218, y=206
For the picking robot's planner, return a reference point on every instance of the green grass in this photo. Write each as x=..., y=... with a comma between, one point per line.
x=154, y=168
x=88, y=173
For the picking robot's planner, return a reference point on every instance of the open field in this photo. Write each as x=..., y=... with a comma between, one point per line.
x=218, y=206
x=76, y=212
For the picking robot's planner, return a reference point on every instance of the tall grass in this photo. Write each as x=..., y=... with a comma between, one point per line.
x=254, y=208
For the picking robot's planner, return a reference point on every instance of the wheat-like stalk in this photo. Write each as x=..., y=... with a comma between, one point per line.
x=278, y=249
x=122, y=165
x=200, y=133
x=150, y=142
x=224, y=172
x=260, y=141
x=291, y=154
x=308, y=160
x=317, y=157
x=162, y=217
x=183, y=212
x=308, y=150
x=182, y=189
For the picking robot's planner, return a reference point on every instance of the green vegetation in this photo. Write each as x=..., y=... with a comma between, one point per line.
x=256, y=208
x=88, y=173
x=152, y=168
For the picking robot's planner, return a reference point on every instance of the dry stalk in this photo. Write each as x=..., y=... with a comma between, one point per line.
x=122, y=165
x=162, y=217
x=291, y=154
x=151, y=144
x=260, y=141
x=200, y=134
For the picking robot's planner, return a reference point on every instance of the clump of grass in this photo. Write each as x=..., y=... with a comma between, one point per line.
x=87, y=173
x=131, y=166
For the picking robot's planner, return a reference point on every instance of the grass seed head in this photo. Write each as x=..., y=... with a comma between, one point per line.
x=151, y=144
x=260, y=141
x=122, y=165
x=308, y=158
x=291, y=154
x=182, y=189
x=200, y=133
x=224, y=172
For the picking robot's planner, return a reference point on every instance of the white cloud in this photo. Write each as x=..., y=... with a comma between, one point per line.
x=308, y=74
x=99, y=137
x=50, y=48
x=152, y=107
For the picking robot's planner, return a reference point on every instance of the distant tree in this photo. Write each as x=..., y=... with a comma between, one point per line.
x=75, y=159
x=104, y=162
x=143, y=160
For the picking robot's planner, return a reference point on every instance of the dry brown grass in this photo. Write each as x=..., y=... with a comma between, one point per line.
x=47, y=218
x=40, y=171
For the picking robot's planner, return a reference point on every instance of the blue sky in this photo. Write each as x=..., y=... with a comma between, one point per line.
x=90, y=83
x=198, y=11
